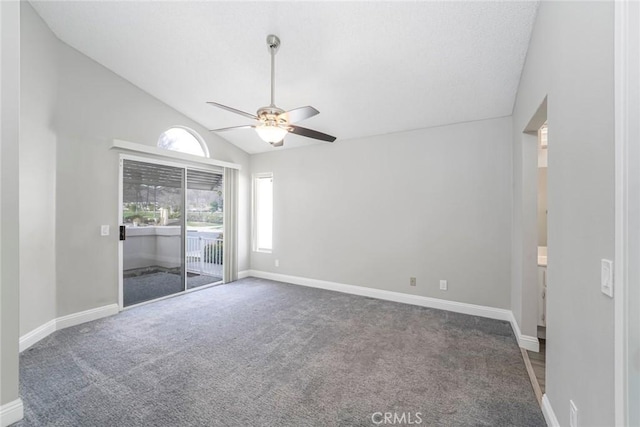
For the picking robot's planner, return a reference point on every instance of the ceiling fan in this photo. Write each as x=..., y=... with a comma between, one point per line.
x=273, y=123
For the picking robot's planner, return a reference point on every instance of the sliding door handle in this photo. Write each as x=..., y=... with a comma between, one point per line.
x=123, y=232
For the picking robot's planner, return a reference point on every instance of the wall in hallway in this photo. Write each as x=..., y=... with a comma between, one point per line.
x=570, y=62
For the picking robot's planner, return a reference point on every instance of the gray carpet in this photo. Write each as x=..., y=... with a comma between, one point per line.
x=146, y=287
x=263, y=353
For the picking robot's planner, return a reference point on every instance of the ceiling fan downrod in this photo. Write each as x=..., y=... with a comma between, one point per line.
x=273, y=43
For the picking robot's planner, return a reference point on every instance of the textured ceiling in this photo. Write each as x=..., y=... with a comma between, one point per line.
x=369, y=67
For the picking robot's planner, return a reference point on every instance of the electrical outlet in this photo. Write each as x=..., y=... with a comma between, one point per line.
x=412, y=281
x=443, y=285
x=277, y=262
x=573, y=414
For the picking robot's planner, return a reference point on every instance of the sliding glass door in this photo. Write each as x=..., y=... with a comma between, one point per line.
x=205, y=205
x=159, y=203
x=153, y=220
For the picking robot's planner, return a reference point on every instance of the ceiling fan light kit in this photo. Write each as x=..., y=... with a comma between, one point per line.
x=275, y=123
x=271, y=134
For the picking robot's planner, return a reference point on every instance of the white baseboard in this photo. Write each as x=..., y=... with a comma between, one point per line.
x=243, y=274
x=11, y=412
x=30, y=338
x=524, y=341
x=547, y=411
x=86, y=316
x=457, y=307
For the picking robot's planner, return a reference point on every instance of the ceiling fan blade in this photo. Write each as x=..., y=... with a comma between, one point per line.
x=233, y=110
x=232, y=128
x=299, y=114
x=310, y=133
x=279, y=143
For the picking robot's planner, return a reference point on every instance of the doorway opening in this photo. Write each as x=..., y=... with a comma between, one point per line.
x=172, y=220
x=534, y=240
x=538, y=359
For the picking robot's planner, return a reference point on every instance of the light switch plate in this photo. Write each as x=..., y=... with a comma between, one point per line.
x=104, y=230
x=606, y=277
x=443, y=285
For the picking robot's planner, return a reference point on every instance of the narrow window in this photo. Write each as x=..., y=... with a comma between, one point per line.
x=263, y=212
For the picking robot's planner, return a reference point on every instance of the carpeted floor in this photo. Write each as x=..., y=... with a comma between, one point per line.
x=263, y=353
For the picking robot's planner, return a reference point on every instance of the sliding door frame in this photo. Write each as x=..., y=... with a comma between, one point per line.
x=217, y=170
x=185, y=165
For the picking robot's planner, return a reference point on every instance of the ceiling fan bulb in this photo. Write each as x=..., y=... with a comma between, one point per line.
x=271, y=134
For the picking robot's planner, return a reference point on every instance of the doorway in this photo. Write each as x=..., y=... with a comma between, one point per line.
x=171, y=229
x=531, y=246
x=538, y=359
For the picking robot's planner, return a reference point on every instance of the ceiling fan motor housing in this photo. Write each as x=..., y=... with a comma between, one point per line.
x=271, y=116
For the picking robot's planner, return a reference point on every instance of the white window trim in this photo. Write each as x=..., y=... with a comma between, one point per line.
x=254, y=213
x=121, y=145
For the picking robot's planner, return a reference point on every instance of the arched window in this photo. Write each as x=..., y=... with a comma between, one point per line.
x=184, y=140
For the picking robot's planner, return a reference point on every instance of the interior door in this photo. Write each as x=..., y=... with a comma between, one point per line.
x=153, y=206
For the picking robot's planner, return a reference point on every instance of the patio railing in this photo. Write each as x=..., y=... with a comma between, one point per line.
x=204, y=255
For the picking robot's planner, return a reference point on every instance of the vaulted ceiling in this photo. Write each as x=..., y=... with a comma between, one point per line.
x=370, y=67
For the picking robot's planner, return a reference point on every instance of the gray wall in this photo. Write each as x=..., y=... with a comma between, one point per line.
x=38, y=95
x=570, y=60
x=433, y=203
x=9, y=176
x=91, y=107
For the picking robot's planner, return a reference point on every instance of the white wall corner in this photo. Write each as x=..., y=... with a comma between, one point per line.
x=11, y=412
x=524, y=341
x=547, y=411
x=30, y=338
x=627, y=167
x=244, y=274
